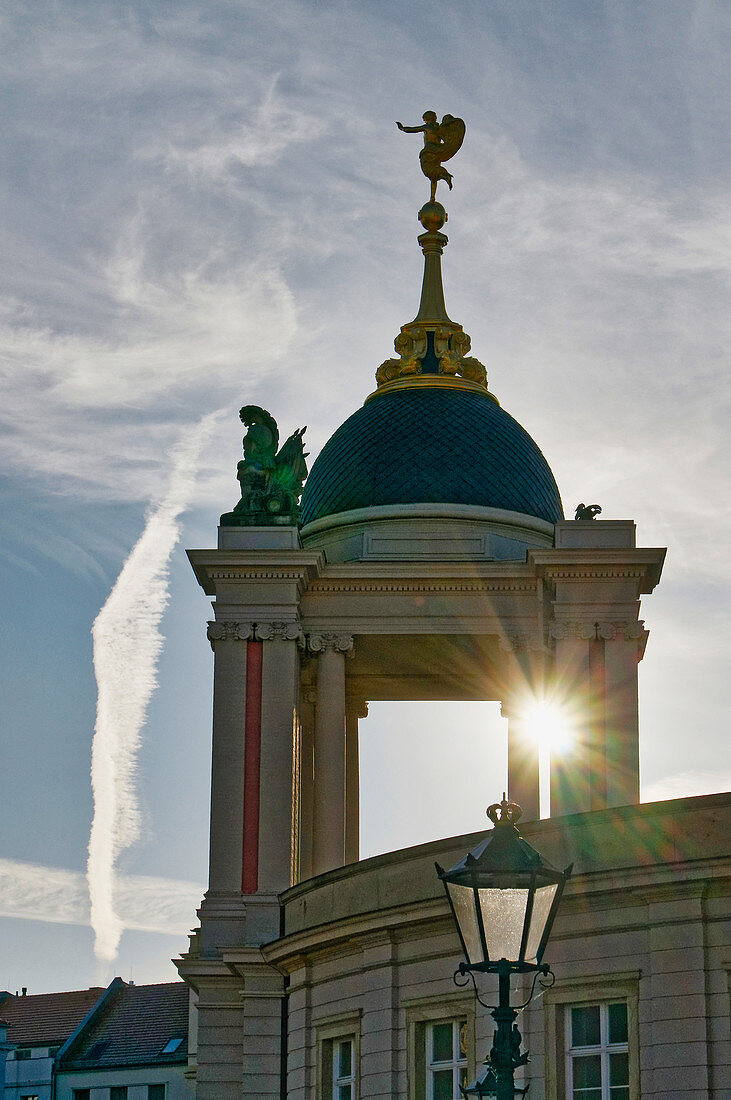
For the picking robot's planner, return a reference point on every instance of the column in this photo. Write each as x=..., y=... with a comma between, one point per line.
x=355, y=709
x=523, y=681
x=523, y=775
x=308, y=698
x=571, y=771
x=278, y=812
x=329, y=755
x=622, y=651
x=229, y=642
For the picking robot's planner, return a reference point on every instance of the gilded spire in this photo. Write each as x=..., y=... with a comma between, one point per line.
x=432, y=348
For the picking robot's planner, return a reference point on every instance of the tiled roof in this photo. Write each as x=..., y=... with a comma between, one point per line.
x=134, y=1026
x=46, y=1019
x=426, y=446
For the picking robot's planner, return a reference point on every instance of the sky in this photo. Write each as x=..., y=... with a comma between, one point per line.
x=207, y=205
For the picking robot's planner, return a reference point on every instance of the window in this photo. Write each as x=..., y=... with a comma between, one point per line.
x=597, y=1059
x=338, y=1056
x=441, y=1045
x=343, y=1069
x=155, y=1092
x=446, y=1059
x=592, y=1025
x=23, y=1053
x=81, y=1094
x=29, y=1096
x=118, y=1092
x=172, y=1044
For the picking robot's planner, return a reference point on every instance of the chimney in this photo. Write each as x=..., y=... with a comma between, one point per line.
x=24, y=991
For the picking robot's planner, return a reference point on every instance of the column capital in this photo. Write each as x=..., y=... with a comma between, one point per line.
x=589, y=630
x=520, y=643
x=286, y=631
x=220, y=631
x=358, y=704
x=340, y=643
x=581, y=629
x=633, y=630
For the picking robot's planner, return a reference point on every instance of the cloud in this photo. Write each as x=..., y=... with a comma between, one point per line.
x=145, y=903
x=686, y=784
x=127, y=644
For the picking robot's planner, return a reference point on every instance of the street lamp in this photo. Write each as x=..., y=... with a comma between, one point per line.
x=503, y=896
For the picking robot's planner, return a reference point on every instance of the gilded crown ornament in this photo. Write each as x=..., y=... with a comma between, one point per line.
x=432, y=347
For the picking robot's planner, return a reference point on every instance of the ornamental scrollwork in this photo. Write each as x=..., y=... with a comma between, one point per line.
x=224, y=631
x=589, y=631
x=286, y=631
x=521, y=643
x=340, y=643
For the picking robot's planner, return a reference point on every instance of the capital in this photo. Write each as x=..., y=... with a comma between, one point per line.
x=340, y=643
x=579, y=629
x=229, y=631
x=286, y=631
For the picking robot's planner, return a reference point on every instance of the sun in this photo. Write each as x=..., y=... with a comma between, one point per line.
x=549, y=725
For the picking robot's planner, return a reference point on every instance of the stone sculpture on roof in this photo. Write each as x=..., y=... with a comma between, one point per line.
x=271, y=481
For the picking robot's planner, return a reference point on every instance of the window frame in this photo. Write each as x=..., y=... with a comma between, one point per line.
x=157, y=1085
x=601, y=989
x=328, y=1031
x=422, y=1011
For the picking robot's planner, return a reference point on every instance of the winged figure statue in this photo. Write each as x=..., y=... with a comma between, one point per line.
x=441, y=141
x=271, y=480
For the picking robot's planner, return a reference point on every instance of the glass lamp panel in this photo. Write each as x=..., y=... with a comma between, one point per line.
x=503, y=914
x=542, y=902
x=463, y=900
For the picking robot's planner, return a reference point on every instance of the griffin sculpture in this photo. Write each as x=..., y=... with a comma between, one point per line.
x=271, y=481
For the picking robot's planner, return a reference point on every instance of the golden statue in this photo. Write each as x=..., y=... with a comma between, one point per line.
x=441, y=142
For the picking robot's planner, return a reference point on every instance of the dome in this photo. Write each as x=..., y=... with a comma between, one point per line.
x=441, y=444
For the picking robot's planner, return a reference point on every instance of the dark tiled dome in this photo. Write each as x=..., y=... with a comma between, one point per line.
x=426, y=446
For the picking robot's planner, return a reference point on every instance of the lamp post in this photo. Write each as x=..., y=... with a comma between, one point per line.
x=503, y=896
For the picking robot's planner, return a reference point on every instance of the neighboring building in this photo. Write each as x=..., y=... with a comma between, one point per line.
x=134, y=1048
x=38, y=1026
x=125, y=1042
x=435, y=563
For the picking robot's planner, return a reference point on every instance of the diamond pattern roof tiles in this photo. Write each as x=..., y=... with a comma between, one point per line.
x=427, y=446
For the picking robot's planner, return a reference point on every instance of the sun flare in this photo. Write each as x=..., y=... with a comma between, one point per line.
x=549, y=724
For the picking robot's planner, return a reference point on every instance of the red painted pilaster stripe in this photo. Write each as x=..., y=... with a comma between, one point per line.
x=252, y=763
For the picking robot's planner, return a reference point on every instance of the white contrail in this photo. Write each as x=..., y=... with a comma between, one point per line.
x=127, y=643
x=32, y=891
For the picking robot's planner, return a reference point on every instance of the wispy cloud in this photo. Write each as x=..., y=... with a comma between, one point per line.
x=144, y=903
x=686, y=784
x=127, y=643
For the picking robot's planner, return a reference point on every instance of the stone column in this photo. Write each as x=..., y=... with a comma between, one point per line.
x=355, y=709
x=623, y=648
x=229, y=641
x=524, y=674
x=278, y=812
x=329, y=756
x=571, y=772
x=523, y=774
x=308, y=698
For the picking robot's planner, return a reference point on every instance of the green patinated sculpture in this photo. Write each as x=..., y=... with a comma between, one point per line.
x=271, y=482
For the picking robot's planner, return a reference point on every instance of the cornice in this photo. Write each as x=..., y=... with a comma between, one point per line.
x=213, y=566
x=418, y=586
x=643, y=564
